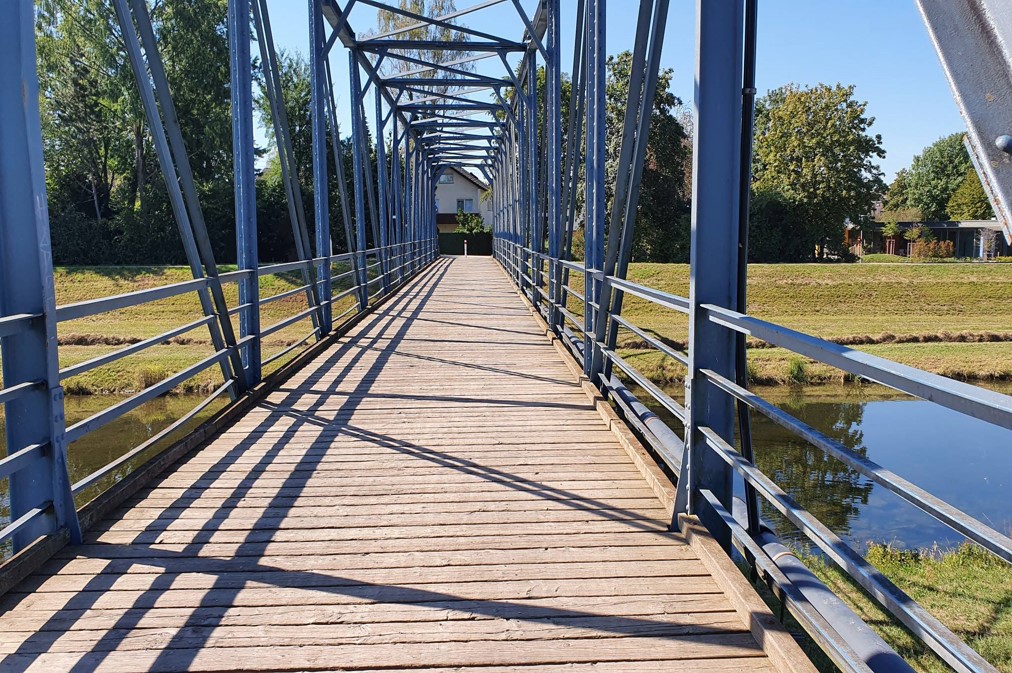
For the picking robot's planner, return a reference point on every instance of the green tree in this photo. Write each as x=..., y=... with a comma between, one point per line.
x=969, y=201
x=936, y=174
x=296, y=93
x=86, y=105
x=813, y=147
x=662, y=218
x=407, y=28
x=470, y=223
x=896, y=204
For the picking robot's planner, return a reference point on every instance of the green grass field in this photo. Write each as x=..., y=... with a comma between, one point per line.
x=967, y=589
x=952, y=319
x=84, y=339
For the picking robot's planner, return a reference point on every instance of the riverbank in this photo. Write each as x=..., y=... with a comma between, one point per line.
x=88, y=338
x=967, y=589
x=950, y=319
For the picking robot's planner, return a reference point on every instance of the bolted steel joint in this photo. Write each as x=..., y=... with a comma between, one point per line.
x=1004, y=143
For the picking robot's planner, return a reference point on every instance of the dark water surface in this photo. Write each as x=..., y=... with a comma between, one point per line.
x=966, y=462
x=99, y=448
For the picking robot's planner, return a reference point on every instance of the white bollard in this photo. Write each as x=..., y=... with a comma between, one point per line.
x=465, y=247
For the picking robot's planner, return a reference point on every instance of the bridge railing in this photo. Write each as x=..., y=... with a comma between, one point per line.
x=391, y=266
x=668, y=441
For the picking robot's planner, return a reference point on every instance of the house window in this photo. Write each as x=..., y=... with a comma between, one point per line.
x=446, y=179
x=467, y=205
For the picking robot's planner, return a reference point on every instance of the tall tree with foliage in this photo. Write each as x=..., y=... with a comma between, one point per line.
x=969, y=201
x=936, y=174
x=814, y=150
x=87, y=108
x=662, y=218
x=410, y=29
x=896, y=204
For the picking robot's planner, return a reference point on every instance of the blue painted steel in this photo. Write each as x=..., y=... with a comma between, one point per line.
x=358, y=163
x=318, y=113
x=39, y=490
x=594, y=189
x=245, y=183
x=714, y=246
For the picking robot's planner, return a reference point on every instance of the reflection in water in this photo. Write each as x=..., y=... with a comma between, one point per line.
x=108, y=443
x=826, y=487
x=959, y=459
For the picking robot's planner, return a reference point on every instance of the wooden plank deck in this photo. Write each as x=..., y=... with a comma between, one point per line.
x=435, y=492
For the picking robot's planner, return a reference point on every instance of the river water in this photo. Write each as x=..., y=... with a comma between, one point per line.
x=966, y=462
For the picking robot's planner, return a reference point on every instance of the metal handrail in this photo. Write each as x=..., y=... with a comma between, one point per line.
x=982, y=404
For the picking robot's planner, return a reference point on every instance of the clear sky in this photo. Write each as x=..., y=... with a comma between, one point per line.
x=881, y=46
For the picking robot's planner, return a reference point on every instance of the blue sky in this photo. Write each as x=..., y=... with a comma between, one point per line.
x=880, y=46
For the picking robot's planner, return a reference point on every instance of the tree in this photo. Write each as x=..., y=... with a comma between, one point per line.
x=969, y=201
x=470, y=223
x=662, y=217
x=86, y=107
x=813, y=148
x=777, y=229
x=936, y=174
x=896, y=204
x=408, y=28
x=293, y=71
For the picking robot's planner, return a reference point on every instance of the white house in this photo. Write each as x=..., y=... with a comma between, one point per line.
x=458, y=189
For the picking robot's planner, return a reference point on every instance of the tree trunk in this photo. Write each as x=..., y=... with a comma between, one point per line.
x=94, y=199
x=136, y=193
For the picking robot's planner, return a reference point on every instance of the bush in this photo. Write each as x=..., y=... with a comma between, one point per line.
x=881, y=258
x=470, y=223
x=797, y=371
x=932, y=250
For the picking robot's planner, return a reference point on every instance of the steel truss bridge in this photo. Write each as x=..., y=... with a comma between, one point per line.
x=454, y=468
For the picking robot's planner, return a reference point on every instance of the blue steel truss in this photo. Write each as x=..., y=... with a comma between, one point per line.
x=432, y=109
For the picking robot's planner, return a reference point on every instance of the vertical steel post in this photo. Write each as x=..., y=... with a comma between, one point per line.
x=321, y=202
x=170, y=149
x=381, y=186
x=595, y=175
x=529, y=110
x=36, y=416
x=714, y=247
x=358, y=169
x=245, y=184
x=553, y=175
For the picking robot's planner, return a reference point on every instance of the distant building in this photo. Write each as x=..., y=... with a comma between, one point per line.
x=459, y=190
x=969, y=238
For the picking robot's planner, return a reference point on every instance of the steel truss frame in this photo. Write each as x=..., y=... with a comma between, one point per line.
x=548, y=184
x=43, y=499
x=536, y=213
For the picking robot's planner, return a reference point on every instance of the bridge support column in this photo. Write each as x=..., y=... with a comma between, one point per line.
x=593, y=226
x=40, y=497
x=714, y=249
x=321, y=202
x=245, y=185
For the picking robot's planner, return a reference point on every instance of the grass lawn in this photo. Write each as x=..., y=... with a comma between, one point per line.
x=967, y=589
x=925, y=315
x=87, y=338
x=930, y=316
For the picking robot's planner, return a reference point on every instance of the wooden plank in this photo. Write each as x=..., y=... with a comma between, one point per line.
x=471, y=653
x=678, y=608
